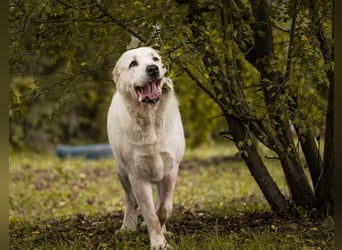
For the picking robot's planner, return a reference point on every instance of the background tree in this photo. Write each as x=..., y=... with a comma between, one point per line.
x=268, y=66
x=61, y=57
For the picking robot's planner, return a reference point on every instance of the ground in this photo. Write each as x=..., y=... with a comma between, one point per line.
x=78, y=204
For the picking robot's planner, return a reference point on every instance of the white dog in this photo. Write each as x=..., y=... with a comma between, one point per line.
x=146, y=134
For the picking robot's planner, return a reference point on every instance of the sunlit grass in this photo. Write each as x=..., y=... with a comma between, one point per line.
x=78, y=204
x=47, y=186
x=216, y=185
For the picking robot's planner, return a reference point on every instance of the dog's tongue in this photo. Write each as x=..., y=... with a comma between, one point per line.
x=150, y=92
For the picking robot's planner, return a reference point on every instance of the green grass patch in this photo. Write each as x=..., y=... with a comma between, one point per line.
x=78, y=204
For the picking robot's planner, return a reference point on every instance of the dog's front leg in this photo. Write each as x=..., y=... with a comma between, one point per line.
x=143, y=193
x=131, y=213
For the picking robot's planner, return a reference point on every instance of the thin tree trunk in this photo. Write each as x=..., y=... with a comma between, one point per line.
x=256, y=166
x=307, y=140
x=301, y=191
x=312, y=156
x=325, y=188
x=299, y=186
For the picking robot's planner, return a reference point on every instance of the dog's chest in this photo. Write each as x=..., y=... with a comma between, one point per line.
x=152, y=158
x=151, y=120
x=152, y=166
x=147, y=130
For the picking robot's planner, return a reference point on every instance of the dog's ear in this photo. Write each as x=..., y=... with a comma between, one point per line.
x=116, y=74
x=168, y=84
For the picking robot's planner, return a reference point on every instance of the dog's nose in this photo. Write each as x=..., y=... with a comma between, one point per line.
x=152, y=70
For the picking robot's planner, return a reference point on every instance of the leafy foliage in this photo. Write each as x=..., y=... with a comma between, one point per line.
x=265, y=66
x=68, y=51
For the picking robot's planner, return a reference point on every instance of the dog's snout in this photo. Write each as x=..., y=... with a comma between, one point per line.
x=152, y=70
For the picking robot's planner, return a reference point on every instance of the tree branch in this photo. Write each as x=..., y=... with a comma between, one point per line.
x=117, y=22
x=66, y=4
x=93, y=19
x=290, y=50
x=327, y=51
x=204, y=88
x=71, y=77
x=280, y=28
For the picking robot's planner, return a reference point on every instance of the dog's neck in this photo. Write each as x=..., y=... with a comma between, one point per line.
x=149, y=116
x=145, y=122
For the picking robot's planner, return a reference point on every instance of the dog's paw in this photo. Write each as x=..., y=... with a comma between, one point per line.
x=165, y=246
x=125, y=230
x=167, y=234
x=143, y=227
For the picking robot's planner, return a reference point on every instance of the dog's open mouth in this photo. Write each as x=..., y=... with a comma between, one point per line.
x=150, y=93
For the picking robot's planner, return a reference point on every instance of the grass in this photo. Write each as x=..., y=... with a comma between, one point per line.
x=78, y=204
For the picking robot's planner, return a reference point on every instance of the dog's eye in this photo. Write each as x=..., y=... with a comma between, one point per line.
x=156, y=59
x=134, y=63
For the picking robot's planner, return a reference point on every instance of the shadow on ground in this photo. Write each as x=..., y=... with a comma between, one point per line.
x=99, y=232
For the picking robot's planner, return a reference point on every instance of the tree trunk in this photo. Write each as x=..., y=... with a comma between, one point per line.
x=301, y=191
x=221, y=88
x=256, y=166
x=312, y=156
x=325, y=189
x=298, y=184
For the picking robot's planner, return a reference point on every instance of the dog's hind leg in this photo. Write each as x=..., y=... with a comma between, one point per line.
x=164, y=199
x=166, y=188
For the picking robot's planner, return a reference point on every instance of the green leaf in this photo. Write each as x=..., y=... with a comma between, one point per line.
x=261, y=33
x=240, y=144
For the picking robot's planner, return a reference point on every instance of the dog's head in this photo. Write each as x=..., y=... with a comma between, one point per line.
x=139, y=75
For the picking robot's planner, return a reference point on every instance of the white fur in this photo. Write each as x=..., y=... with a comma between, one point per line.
x=147, y=141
